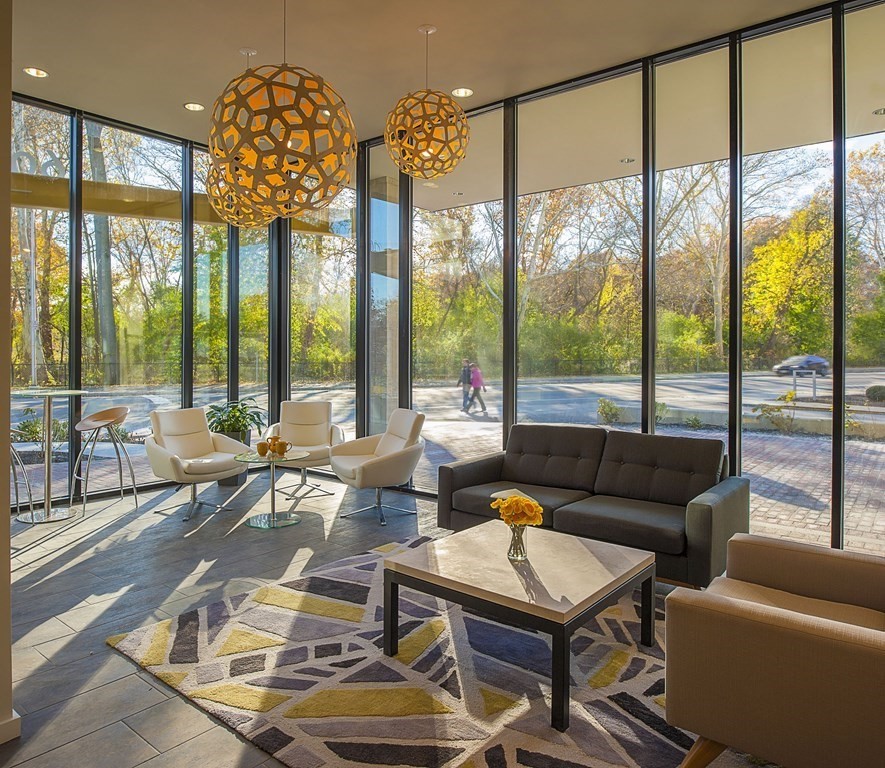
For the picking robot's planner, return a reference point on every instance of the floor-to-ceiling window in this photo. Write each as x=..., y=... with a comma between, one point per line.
x=132, y=286
x=323, y=307
x=579, y=224
x=210, y=293
x=788, y=280
x=692, y=245
x=383, y=269
x=865, y=332
x=457, y=303
x=40, y=283
x=254, y=327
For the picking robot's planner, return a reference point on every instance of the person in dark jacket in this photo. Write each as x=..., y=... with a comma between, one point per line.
x=464, y=383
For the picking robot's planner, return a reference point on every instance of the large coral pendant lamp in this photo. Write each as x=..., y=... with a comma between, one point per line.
x=427, y=131
x=282, y=139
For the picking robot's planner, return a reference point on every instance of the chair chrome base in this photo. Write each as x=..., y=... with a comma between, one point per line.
x=312, y=488
x=193, y=504
x=379, y=507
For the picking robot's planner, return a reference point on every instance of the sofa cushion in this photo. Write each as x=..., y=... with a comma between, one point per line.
x=476, y=499
x=633, y=523
x=559, y=455
x=668, y=470
x=787, y=601
x=212, y=463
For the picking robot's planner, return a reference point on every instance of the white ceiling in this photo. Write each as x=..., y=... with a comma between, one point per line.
x=140, y=61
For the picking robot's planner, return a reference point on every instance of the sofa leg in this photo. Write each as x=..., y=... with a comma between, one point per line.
x=703, y=752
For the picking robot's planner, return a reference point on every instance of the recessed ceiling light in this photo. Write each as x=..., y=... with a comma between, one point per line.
x=431, y=184
x=628, y=160
x=193, y=106
x=35, y=72
x=880, y=111
x=462, y=93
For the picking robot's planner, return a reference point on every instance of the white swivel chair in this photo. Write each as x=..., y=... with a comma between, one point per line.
x=309, y=427
x=182, y=449
x=380, y=461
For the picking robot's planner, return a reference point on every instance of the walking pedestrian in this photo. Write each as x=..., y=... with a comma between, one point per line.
x=464, y=383
x=477, y=383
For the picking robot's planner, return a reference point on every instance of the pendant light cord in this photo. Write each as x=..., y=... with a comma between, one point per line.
x=426, y=61
x=285, y=8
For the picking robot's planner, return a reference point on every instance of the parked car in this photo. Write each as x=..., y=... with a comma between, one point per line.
x=803, y=365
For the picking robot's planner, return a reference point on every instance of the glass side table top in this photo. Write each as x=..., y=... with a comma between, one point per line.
x=252, y=457
x=274, y=519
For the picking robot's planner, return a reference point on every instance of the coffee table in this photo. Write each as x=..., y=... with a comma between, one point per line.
x=274, y=519
x=565, y=582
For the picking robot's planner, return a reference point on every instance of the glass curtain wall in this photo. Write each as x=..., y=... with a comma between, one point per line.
x=865, y=332
x=132, y=288
x=788, y=281
x=254, y=324
x=457, y=304
x=40, y=284
x=579, y=224
x=210, y=293
x=323, y=309
x=383, y=271
x=692, y=245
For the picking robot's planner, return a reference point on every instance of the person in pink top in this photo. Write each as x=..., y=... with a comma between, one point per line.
x=478, y=383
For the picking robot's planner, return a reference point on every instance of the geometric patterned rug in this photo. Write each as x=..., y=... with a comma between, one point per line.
x=297, y=669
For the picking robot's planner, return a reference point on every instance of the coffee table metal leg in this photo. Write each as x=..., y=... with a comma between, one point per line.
x=647, y=636
x=391, y=615
x=559, y=703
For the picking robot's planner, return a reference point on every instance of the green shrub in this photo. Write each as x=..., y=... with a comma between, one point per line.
x=694, y=422
x=876, y=393
x=607, y=411
x=662, y=410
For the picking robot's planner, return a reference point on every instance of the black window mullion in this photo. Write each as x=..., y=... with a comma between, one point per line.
x=510, y=261
x=233, y=312
x=187, y=274
x=837, y=533
x=75, y=291
x=404, y=351
x=361, y=353
x=648, y=246
x=735, y=253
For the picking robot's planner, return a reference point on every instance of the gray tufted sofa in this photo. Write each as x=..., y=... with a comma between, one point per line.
x=669, y=495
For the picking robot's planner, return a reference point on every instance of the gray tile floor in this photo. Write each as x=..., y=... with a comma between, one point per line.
x=75, y=584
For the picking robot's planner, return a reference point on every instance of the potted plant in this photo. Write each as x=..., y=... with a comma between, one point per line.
x=236, y=419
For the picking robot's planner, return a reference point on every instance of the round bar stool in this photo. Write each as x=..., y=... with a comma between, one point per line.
x=15, y=465
x=94, y=423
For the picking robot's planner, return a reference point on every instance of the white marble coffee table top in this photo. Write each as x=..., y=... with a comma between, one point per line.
x=563, y=575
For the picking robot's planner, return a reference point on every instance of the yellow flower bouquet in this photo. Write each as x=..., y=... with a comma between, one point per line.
x=518, y=512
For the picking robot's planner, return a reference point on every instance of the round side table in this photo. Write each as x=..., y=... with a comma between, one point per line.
x=274, y=519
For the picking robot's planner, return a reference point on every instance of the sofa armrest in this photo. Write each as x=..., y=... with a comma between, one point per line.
x=463, y=474
x=711, y=519
x=788, y=687
x=809, y=569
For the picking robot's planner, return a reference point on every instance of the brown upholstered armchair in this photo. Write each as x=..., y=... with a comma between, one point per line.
x=783, y=657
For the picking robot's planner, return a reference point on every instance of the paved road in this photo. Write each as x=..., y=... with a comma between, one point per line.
x=562, y=400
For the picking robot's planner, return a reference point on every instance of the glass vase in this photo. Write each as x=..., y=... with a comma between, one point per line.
x=517, y=552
